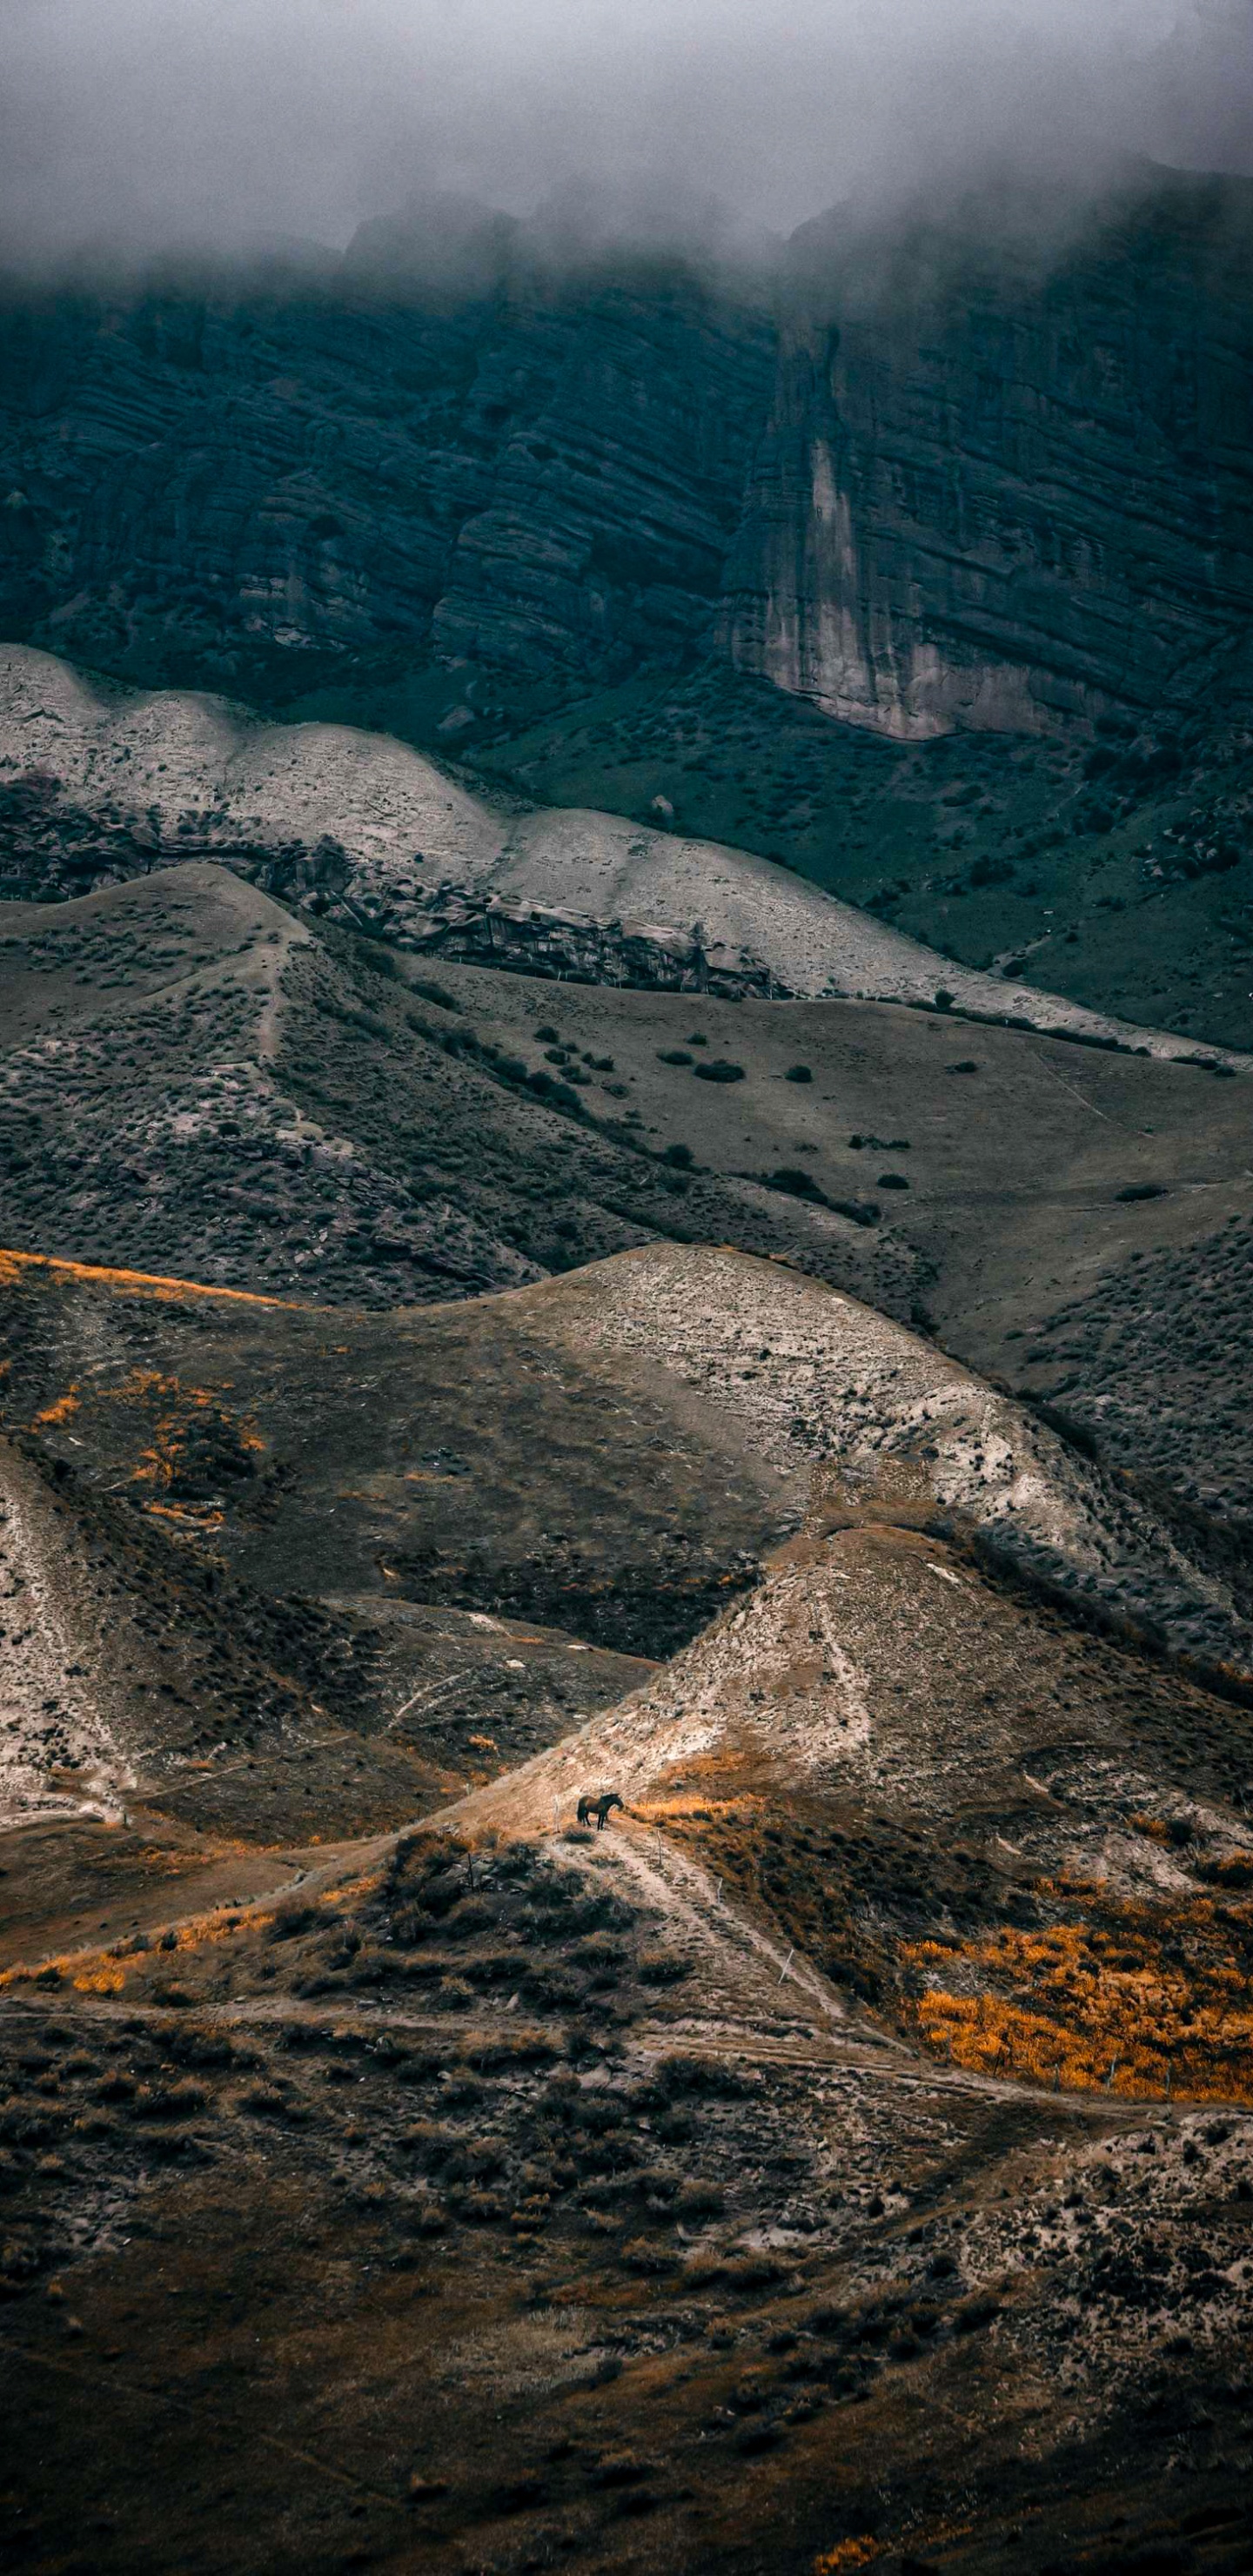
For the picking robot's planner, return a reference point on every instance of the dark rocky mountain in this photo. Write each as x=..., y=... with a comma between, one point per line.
x=244, y=481
x=972, y=475
x=923, y=571
x=1005, y=484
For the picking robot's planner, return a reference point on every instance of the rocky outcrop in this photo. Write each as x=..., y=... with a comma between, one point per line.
x=1000, y=492
x=558, y=946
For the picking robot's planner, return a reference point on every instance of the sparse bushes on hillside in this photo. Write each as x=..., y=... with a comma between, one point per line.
x=798, y=1184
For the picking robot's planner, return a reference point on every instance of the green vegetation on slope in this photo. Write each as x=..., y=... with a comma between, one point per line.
x=1117, y=869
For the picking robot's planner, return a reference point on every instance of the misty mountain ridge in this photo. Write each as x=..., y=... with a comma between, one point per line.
x=613, y=435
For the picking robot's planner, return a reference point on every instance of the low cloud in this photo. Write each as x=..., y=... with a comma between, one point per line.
x=150, y=124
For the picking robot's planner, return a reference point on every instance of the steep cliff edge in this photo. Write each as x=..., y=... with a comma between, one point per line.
x=966, y=474
x=999, y=489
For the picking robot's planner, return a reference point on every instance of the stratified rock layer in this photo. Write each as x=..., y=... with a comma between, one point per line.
x=998, y=492
x=532, y=473
x=968, y=475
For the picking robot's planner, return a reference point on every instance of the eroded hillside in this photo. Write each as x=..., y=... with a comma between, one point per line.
x=640, y=2196
x=195, y=1083
x=626, y=1605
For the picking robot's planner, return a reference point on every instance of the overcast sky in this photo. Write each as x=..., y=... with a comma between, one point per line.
x=231, y=121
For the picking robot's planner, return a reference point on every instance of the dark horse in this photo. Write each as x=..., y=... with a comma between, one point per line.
x=601, y=1808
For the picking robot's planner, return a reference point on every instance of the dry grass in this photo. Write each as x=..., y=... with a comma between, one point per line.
x=62, y=1410
x=189, y=1431
x=846, y=2556
x=150, y=1283
x=1141, y=1999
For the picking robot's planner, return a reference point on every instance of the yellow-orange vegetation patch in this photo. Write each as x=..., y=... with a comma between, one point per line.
x=350, y=1891
x=1143, y=1996
x=172, y=1862
x=693, y=1805
x=146, y=1283
x=1232, y=1874
x=65, y=1406
x=846, y=2555
x=203, y=1516
x=189, y=1428
x=206, y=1929
x=1141, y=1999
x=722, y=1785
x=96, y=1974
x=104, y=1972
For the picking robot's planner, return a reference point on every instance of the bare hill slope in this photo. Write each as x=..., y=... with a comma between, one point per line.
x=195, y=1083
x=882, y=2066
x=192, y=1082
x=608, y=1452
x=105, y=781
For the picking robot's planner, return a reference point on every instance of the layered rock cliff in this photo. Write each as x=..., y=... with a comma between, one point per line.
x=243, y=482
x=954, y=479
x=999, y=489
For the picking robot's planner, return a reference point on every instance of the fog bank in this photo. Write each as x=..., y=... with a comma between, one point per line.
x=225, y=124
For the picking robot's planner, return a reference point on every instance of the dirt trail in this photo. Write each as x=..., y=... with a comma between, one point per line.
x=333, y=1866
x=748, y=1999
x=269, y=963
x=736, y=1961
x=740, y=2043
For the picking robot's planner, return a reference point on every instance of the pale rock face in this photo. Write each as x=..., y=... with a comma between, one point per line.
x=1005, y=492
x=825, y=635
